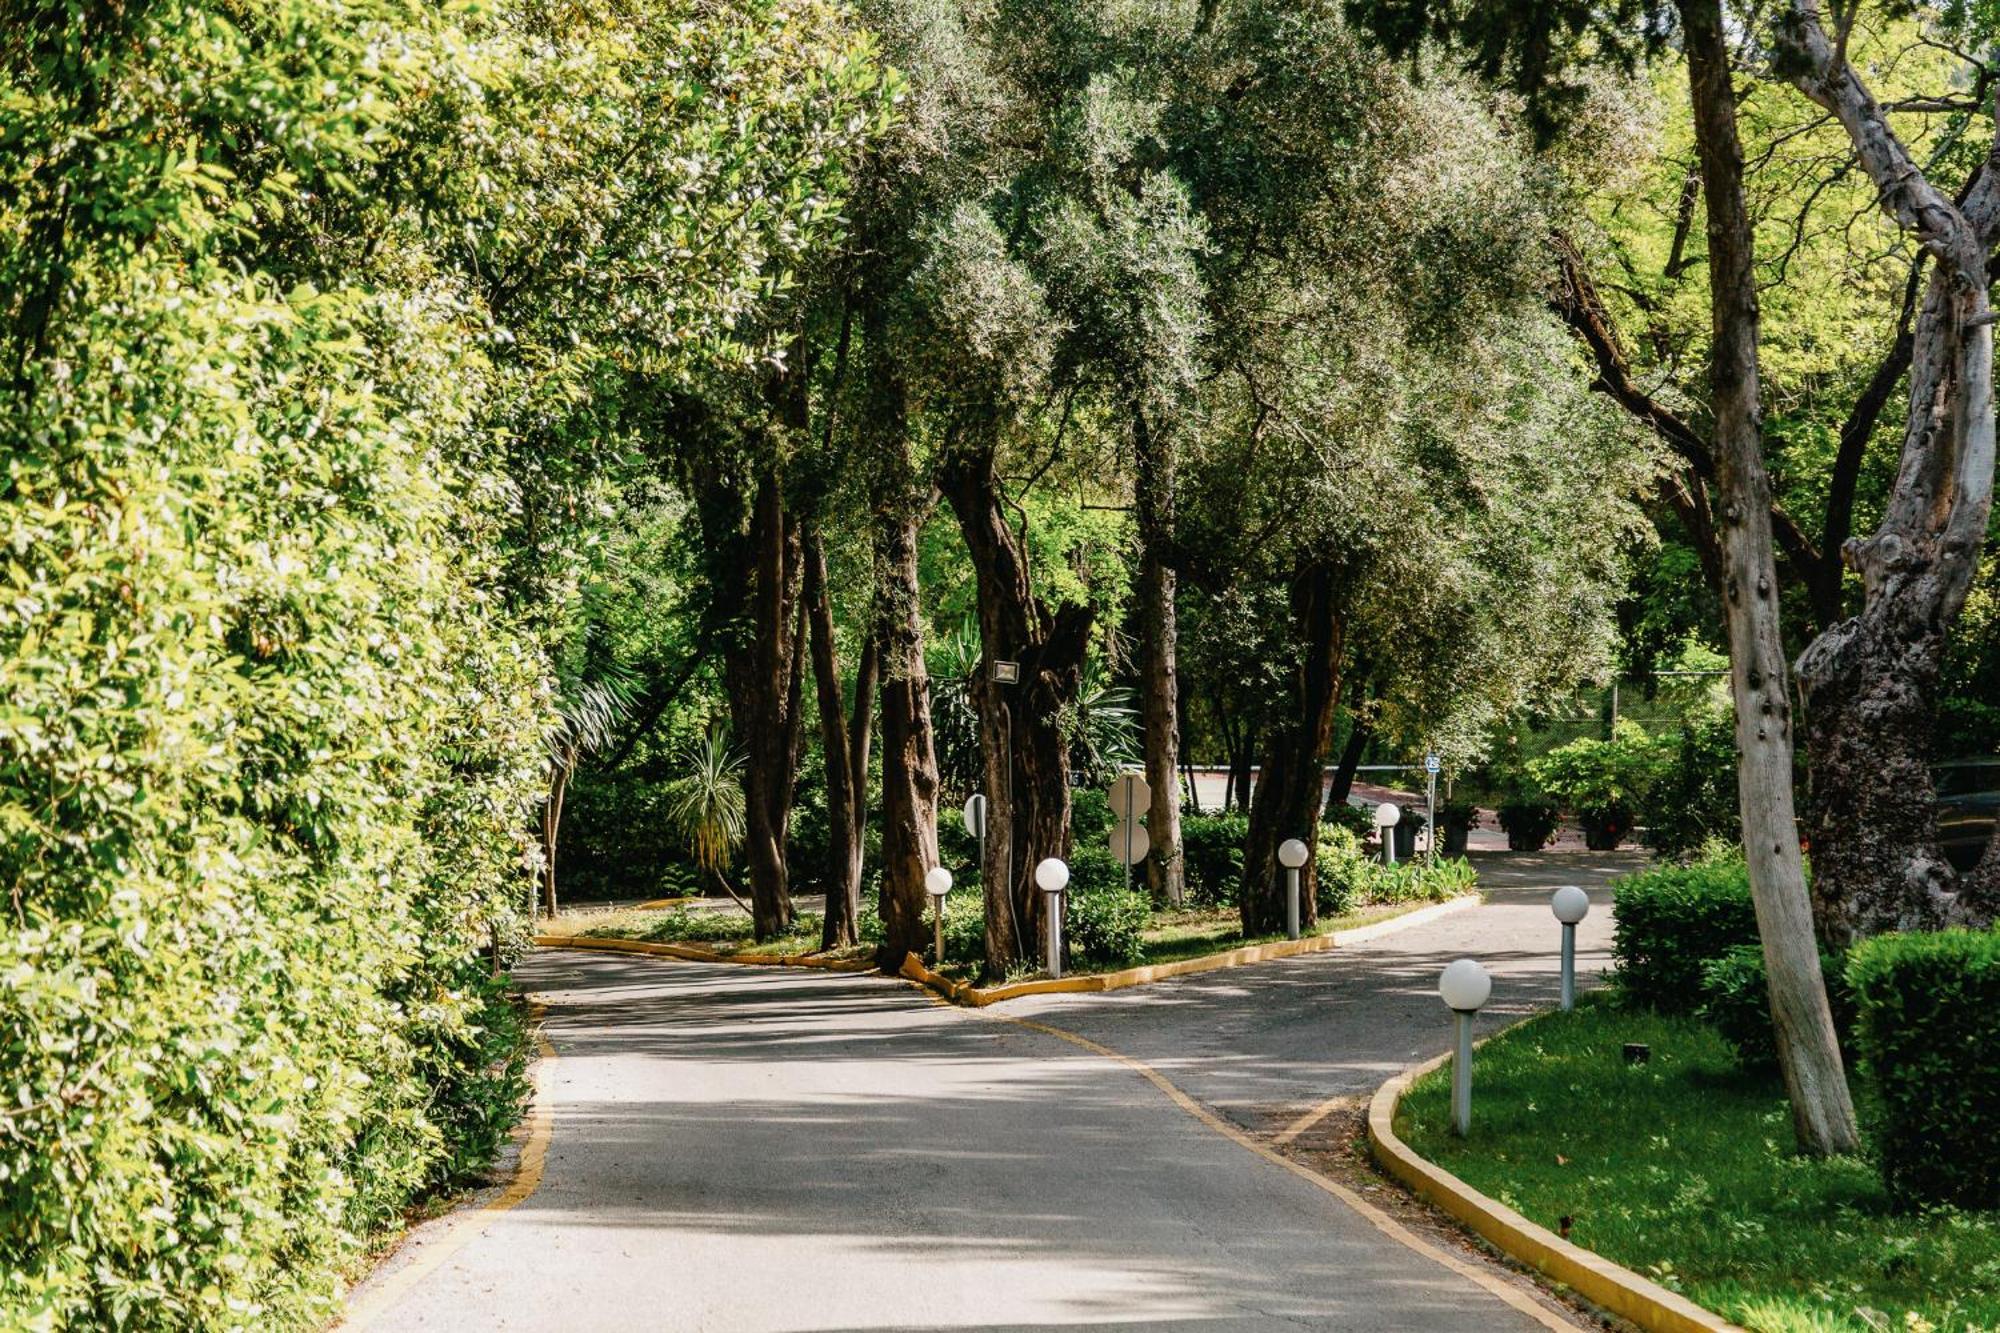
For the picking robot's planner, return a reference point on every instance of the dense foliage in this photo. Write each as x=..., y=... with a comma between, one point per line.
x=294, y=325
x=1672, y=922
x=1928, y=1018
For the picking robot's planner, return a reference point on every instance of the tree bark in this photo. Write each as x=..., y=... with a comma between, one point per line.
x=763, y=676
x=1350, y=753
x=844, y=746
x=909, y=754
x=1287, y=802
x=1020, y=725
x=1870, y=682
x=1808, y=1053
x=551, y=826
x=1159, y=640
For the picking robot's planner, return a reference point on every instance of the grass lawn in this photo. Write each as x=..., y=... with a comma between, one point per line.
x=1682, y=1169
x=1169, y=935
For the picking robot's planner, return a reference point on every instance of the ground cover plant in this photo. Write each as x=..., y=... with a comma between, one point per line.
x=1683, y=1168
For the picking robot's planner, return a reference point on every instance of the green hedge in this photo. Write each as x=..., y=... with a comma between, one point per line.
x=1212, y=857
x=1674, y=921
x=1736, y=999
x=1928, y=1027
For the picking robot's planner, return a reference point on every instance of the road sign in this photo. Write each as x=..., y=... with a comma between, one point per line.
x=1131, y=796
x=1130, y=842
x=975, y=815
x=1432, y=763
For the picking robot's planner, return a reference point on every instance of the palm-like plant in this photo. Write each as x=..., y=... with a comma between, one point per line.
x=704, y=805
x=588, y=711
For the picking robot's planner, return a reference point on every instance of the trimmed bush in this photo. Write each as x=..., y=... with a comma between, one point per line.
x=1106, y=927
x=1672, y=922
x=1736, y=1000
x=1212, y=857
x=1340, y=871
x=1928, y=1027
x=1529, y=822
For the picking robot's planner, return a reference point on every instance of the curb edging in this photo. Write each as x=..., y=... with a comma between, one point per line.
x=696, y=954
x=1605, y=1284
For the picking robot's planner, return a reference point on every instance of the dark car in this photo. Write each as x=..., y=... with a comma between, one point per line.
x=1968, y=792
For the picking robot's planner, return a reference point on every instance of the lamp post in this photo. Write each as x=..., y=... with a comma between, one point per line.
x=1387, y=816
x=1052, y=876
x=1465, y=986
x=937, y=883
x=1570, y=904
x=1292, y=856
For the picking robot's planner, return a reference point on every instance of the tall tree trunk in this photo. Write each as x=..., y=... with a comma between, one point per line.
x=1808, y=1054
x=1358, y=733
x=845, y=749
x=551, y=826
x=1287, y=802
x=909, y=753
x=1159, y=641
x=1020, y=725
x=763, y=671
x=910, y=781
x=1871, y=682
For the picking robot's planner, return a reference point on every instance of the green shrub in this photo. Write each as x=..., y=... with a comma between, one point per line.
x=1672, y=922
x=965, y=928
x=1736, y=1000
x=1529, y=822
x=1340, y=870
x=1928, y=1027
x=1090, y=817
x=1601, y=782
x=957, y=848
x=1106, y=926
x=1212, y=857
x=1356, y=819
x=1693, y=799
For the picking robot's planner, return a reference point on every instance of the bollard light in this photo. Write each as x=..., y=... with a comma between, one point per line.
x=1387, y=816
x=937, y=883
x=1570, y=904
x=1465, y=986
x=1052, y=876
x=1292, y=855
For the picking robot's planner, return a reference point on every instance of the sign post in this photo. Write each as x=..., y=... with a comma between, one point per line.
x=1432, y=763
x=1131, y=796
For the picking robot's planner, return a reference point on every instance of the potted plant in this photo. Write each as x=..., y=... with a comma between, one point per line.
x=1601, y=782
x=1456, y=820
x=1529, y=820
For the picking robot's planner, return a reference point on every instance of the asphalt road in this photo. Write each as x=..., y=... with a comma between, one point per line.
x=780, y=1150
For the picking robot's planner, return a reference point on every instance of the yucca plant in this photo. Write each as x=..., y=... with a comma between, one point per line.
x=704, y=805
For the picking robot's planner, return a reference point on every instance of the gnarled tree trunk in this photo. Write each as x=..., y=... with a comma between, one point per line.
x=1020, y=725
x=1287, y=802
x=1808, y=1054
x=1871, y=681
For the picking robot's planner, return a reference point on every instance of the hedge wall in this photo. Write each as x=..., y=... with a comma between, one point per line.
x=1928, y=1027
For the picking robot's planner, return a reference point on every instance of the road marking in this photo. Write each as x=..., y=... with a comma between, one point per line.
x=1381, y=1221
x=464, y=1226
x=1312, y=1117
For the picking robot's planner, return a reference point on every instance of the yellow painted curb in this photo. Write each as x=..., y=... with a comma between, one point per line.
x=694, y=953
x=964, y=992
x=1592, y=1276
x=457, y=1229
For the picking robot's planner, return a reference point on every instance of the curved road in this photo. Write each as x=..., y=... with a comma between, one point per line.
x=738, y=1148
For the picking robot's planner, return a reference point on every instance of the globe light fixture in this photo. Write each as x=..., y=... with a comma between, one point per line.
x=1387, y=816
x=1465, y=986
x=1292, y=855
x=1570, y=904
x=937, y=883
x=1052, y=877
